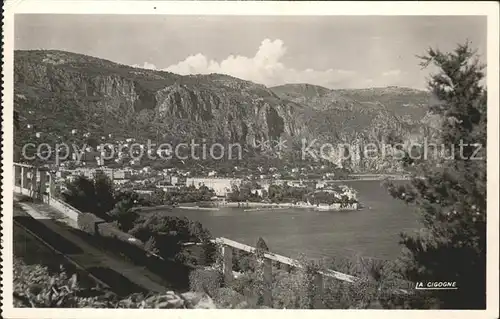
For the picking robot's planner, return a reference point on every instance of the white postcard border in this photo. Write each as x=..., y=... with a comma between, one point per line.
x=489, y=9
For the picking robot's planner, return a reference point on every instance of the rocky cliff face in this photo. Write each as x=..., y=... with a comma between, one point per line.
x=132, y=100
x=378, y=117
x=57, y=93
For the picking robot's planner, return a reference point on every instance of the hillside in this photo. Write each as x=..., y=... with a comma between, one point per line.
x=58, y=92
x=361, y=116
x=399, y=100
x=71, y=91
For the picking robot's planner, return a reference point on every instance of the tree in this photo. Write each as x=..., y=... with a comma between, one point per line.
x=80, y=193
x=261, y=245
x=234, y=195
x=103, y=189
x=98, y=197
x=451, y=194
x=123, y=214
x=168, y=233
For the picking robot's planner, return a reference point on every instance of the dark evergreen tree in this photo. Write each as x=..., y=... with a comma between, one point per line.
x=450, y=191
x=104, y=193
x=261, y=245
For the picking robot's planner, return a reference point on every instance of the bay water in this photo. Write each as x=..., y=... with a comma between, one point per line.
x=372, y=231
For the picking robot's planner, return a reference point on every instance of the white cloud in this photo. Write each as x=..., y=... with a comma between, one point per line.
x=264, y=67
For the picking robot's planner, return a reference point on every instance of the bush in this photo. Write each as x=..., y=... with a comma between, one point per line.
x=295, y=289
x=36, y=286
x=111, y=230
x=203, y=254
x=289, y=290
x=89, y=223
x=94, y=225
x=250, y=285
x=205, y=280
x=379, y=286
x=123, y=214
x=170, y=233
x=94, y=196
x=244, y=261
x=229, y=299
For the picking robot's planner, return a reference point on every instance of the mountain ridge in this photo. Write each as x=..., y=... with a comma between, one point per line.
x=58, y=92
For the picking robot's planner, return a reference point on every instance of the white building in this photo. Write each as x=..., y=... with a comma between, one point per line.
x=120, y=181
x=212, y=173
x=221, y=186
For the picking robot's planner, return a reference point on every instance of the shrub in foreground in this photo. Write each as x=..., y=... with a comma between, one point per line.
x=36, y=287
x=205, y=280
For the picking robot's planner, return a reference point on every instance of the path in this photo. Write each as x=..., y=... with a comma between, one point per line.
x=60, y=233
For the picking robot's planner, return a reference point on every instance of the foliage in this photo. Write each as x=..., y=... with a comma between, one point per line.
x=287, y=193
x=123, y=214
x=169, y=233
x=163, y=235
x=379, y=284
x=228, y=298
x=295, y=290
x=205, y=280
x=261, y=245
x=150, y=246
x=189, y=194
x=323, y=197
x=89, y=223
x=94, y=196
x=104, y=193
x=248, y=190
x=35, y=286
x=451, y=194
x=99, y=197
x=111, y=230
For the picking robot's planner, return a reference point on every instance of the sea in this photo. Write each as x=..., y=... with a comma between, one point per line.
x=373, y=231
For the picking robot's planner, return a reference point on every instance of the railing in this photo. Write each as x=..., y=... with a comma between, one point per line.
x=32, y=181
x=39, y=183
x=228, y=246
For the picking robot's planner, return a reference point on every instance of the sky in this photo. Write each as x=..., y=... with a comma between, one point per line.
x=332, y=51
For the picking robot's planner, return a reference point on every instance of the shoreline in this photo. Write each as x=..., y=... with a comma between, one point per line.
x=254, y=206
x=257, y=205
x=372, y=177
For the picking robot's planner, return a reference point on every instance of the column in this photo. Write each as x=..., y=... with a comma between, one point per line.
x=52, y=185
x=43, y=183
x=268, y=282
x=24, y=179
x=34, y=184
x=318, y=291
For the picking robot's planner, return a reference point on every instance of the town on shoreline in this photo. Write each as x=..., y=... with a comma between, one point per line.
x=172, y=187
